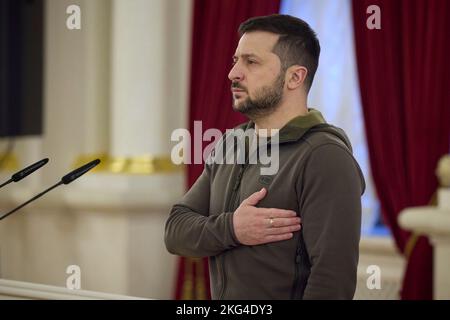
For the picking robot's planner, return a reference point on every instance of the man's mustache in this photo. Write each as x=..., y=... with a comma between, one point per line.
x=236, y=85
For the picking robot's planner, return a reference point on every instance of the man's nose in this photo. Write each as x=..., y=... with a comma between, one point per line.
x=235, y=74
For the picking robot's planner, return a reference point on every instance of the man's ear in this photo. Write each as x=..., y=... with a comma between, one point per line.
x=296, y=76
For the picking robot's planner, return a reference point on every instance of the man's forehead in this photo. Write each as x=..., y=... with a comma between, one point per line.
x=256, y=43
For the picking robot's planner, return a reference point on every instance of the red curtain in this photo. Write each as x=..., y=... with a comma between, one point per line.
x=404, y=79
x=214, y=40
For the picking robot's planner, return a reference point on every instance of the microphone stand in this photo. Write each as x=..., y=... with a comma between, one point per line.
x=5, y=183
x=32, y=199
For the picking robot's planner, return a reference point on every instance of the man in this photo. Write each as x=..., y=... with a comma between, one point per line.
x=294, y=234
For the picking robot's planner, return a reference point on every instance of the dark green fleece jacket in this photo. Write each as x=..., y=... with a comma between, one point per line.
x=319, y=179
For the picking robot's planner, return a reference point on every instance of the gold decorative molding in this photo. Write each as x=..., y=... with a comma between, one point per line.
x=8, y=162
x=140, y=165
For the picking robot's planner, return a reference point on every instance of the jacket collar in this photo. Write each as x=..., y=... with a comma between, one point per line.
x=298, y=126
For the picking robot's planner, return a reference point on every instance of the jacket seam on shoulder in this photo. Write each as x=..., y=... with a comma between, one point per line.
x=344, y=147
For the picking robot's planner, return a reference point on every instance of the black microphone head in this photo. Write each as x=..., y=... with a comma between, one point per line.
x=28, y=170
x=75, y=174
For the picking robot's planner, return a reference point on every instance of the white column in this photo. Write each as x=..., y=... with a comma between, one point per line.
x=140, y=38
x=76, y=83
x=97, y=27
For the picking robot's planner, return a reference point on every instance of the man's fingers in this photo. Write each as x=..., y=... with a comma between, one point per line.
x=283, y=222
x=277, y=213
x=283, y=230
x=279, y=237
x=253, y=199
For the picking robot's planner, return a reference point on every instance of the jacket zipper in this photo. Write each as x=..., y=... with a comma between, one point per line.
x=296, y=273
x=231, y=205
x=302, y=269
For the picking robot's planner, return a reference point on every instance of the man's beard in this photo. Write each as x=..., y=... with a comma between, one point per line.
x=266, y=101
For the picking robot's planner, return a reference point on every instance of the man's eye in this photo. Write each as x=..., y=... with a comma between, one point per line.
x=251, y=62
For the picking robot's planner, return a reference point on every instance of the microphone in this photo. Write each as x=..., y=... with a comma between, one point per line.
x=25, y=172
x=68, y=178
x=75, y=174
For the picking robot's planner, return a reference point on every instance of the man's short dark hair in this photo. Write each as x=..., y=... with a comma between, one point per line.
x=297, y=44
